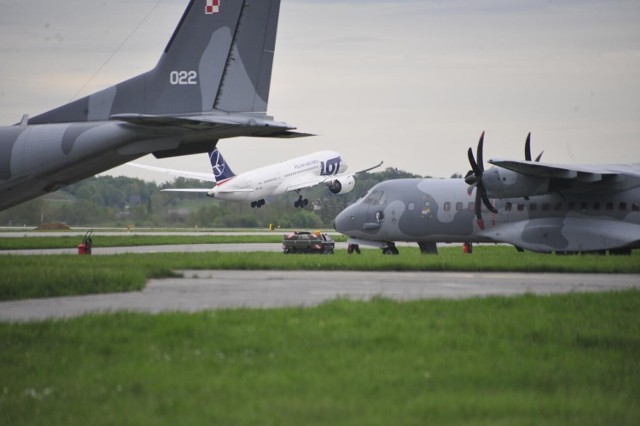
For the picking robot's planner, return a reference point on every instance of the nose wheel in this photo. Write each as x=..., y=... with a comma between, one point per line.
x=390, y=249
x=301, y=202
x=353, y=248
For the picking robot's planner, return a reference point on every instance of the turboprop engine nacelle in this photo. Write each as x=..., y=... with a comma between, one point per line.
x=502, y=183
x=342, y=185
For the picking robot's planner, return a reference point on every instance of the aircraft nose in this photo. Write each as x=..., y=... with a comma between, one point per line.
x=342, y=221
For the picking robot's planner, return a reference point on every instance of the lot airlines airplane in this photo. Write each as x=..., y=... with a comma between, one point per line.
x=537, y=206
x=325, y=167
x=212, y=82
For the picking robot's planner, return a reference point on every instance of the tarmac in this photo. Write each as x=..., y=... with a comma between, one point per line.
x=204, y=290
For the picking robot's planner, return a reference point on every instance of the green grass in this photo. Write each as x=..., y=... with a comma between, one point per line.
x=49, y=276
x=557, y=360
x=12, y=243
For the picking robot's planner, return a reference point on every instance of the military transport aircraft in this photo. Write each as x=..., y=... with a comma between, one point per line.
x=296, y=174
x=212, y=82
x=532, y=205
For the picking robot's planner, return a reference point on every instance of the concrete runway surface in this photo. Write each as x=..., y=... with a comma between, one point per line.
x=201, y=290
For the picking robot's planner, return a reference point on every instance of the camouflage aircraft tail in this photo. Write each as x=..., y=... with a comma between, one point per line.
x=218, y=60
x=221, y=170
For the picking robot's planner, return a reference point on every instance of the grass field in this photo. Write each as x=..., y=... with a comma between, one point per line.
x=556, y=360
x=135, y=240
x=49, y=276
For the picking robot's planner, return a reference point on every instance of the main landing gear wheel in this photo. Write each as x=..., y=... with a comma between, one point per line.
x=300, y=202
x=390, y=249
x=353, y=247
x=257, y=204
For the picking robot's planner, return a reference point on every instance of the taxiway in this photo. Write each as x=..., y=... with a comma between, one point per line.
x=202, y=290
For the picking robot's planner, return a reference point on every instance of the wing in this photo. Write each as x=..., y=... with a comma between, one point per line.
x=577, y=173
x=306, y=183
x=370, y=168
x=328, y=180
x=207, y=177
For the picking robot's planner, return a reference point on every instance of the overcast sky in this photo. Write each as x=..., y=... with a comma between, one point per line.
x=410, y=82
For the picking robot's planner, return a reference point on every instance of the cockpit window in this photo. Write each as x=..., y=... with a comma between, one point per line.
x=376, y=198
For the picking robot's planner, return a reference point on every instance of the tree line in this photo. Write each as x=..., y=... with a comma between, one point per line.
x=118, y=201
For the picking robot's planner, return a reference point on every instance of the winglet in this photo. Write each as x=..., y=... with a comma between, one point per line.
x=370, y=168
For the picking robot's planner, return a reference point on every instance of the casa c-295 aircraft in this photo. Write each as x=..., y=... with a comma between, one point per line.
x=211, y=82
x=323, y=167
x=532, y=205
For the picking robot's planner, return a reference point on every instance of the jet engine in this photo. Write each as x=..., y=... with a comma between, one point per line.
x=342, y=185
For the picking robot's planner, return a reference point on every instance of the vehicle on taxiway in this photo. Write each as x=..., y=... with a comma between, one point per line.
x=308, y=242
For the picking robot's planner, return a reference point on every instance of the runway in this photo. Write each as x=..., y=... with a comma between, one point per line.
x=202, y=290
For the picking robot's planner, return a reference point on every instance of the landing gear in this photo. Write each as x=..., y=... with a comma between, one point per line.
x=301, y=202
x=390, y=248
x=257, y=204
x=620, y=252
x=428, y=247
x=353, y=247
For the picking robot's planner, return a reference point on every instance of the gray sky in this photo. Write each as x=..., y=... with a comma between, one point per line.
x=410, y=82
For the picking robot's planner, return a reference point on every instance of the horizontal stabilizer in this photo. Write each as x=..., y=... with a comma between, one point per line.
x=249, y=125
x=187, y=190
x=206, y=177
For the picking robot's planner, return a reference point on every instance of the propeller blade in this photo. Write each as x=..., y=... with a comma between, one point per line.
x=527, y=148
x=474, y=166
x=479, y=153
x=478, y=206
x=470, y=178
x=487, y=202
x=539, y=157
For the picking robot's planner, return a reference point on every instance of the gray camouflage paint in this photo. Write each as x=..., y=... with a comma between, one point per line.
x=413, y=210
x=212, y=81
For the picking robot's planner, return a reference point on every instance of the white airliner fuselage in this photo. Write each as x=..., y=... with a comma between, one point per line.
x=322, y=167
x=275, y=179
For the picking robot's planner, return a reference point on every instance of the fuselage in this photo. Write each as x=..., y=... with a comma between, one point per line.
x=442, y=210
x=37, y=159
x=275, y=179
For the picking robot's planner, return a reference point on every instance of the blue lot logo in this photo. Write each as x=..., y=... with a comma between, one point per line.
x=331, y=167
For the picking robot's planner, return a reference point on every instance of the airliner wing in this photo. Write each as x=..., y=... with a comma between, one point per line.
x=307, y=183
x=296, y=186
x=370, y=168
x=578, y=173
x=207, y=177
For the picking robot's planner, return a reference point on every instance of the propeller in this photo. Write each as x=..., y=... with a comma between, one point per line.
x=527, y=150
x=474, y=178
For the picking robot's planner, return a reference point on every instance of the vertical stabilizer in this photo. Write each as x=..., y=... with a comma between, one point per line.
x=218, y=59
x=221, y=170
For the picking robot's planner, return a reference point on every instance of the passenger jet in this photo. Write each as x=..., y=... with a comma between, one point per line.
x=212, y=82
x=323, y=167
x=542, y=207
